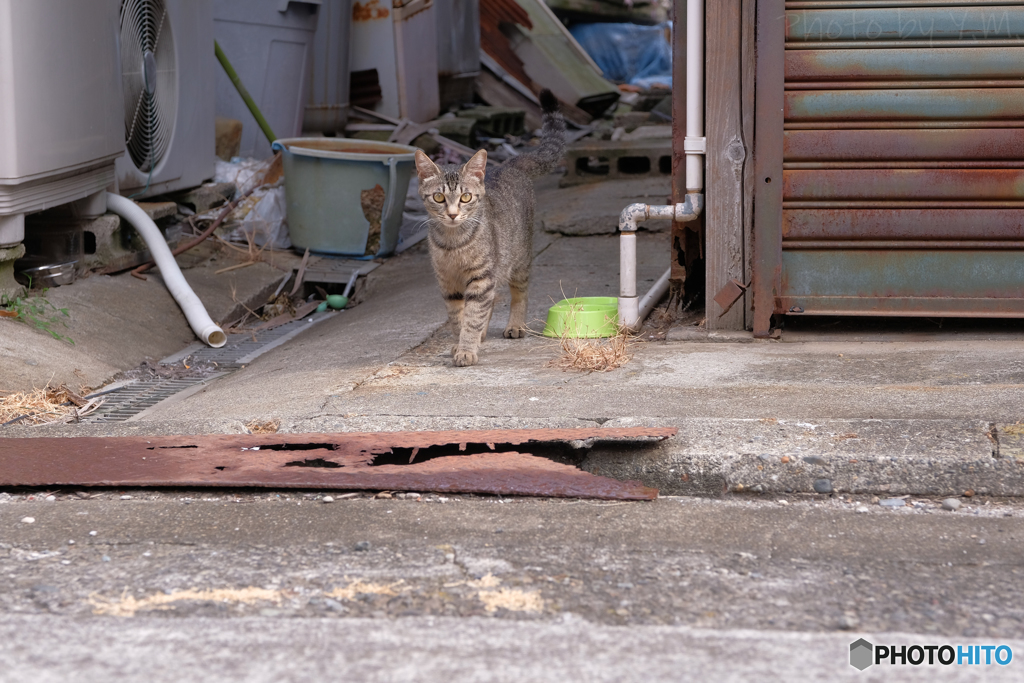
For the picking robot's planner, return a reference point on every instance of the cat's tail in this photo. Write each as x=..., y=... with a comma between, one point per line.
x=543, y=158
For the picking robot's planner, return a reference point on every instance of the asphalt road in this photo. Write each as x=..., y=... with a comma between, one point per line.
x=254, y=586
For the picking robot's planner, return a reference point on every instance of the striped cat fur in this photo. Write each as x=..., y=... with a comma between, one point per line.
x=481, y=231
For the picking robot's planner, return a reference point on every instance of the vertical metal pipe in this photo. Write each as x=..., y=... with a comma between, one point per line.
x=694, y=92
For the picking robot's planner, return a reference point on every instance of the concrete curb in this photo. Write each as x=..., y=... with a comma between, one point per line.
x=882, y=457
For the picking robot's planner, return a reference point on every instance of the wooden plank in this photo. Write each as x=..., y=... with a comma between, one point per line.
x=768, y=162
x=680, y=240
x=726, y=154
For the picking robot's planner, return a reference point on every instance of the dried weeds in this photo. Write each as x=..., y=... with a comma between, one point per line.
x=263, y=426
x=595, y=355
x=360, y=587
x=511, y=599
x=42, y=406
x=128, y=605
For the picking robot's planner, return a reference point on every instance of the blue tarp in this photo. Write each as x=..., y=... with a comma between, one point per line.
x=629, y=53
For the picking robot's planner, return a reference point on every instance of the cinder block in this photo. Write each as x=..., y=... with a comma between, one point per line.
x=9, y=287
x=597, y=160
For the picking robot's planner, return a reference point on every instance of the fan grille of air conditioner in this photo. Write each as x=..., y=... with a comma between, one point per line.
x=149, y=78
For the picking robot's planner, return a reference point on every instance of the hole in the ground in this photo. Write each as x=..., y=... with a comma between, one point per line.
x=634, y=165
x=559, y=452
x=153, y=448
x=220, y=467
x=401, y=456
x=592, y=165
x=297, y=447
x=313, y=462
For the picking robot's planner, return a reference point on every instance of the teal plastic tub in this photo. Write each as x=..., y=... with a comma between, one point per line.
x=324, y=179
x=586, y=317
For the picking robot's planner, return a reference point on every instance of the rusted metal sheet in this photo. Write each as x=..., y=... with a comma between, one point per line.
x=872, y=146
x=912, y=307
x=902, y=162
x=907, y=184
x=902, y=23
x=905, y=224
x=890, y=273
x=976, y=104
x=455, y=461
x=840, y=67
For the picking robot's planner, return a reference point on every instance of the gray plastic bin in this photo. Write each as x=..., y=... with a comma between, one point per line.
x=270, y=44
x=324, y=179
x=327, y=106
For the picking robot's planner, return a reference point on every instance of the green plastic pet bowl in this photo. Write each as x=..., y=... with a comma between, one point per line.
x=585, y=317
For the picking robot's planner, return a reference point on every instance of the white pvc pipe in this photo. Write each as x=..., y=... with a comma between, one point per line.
x=694, y=92
x=191, y=306
x=653, y=295
x=632, y=311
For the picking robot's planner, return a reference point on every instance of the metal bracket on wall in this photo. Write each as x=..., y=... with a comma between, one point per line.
x=693, y=145
x=728, y=295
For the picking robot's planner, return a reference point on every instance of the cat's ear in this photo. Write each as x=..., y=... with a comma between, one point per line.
x=425, y=168
x=477, y=165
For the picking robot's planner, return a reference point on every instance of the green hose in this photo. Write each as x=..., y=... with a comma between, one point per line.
x=249, y=102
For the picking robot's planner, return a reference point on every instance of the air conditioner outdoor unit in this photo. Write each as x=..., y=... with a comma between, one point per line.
x=168, y=74
x=60, y=105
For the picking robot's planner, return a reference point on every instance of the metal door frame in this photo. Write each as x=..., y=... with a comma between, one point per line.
x=769, y=103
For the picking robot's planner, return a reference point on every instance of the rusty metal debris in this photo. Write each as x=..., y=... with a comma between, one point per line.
x=449, y=461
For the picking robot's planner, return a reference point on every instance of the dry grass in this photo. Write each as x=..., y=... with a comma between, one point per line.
x=357, y=587
x=263, y=426
x=128, y=605
x=41, y=406
x=595, y=355
x=1017, y=428
x=602, y=354
x=511, y=599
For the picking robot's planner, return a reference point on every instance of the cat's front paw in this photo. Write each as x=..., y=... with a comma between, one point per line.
x=463, y=358
x=515, y=332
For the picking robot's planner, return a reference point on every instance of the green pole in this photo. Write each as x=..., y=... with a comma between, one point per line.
x=249, y=102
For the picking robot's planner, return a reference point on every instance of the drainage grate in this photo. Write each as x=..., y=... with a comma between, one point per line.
x=240, y=350
x=133, y=398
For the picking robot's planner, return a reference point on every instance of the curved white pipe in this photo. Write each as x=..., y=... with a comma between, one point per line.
x=191, y=306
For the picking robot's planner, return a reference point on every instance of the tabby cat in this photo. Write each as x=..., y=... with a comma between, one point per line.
x=481, y=231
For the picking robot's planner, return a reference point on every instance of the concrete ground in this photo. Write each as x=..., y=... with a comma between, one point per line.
x=833, y=419
x=261, y=586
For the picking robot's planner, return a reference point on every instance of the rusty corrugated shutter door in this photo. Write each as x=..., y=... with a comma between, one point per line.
x=903, y=158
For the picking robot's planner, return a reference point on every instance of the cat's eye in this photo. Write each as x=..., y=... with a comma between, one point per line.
x=439, y=198
x=466, y=198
